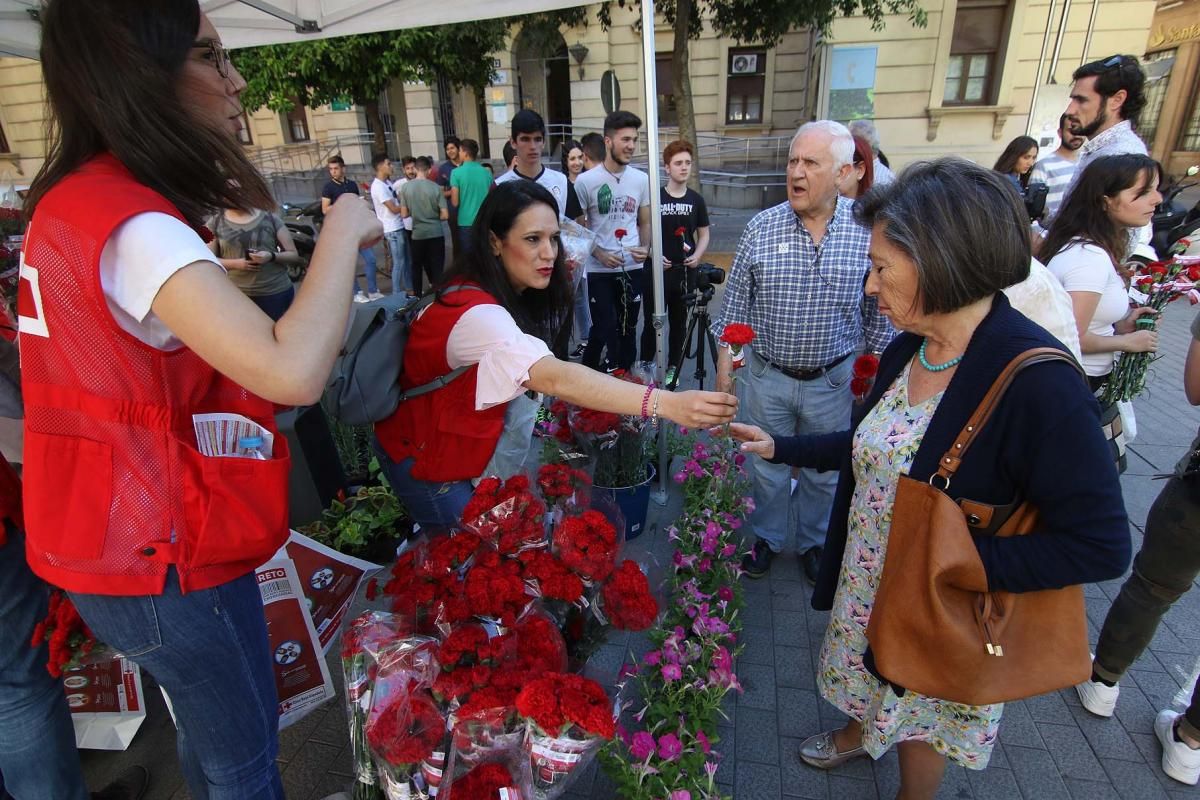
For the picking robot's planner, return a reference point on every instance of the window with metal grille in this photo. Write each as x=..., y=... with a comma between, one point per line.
x=1190, y=138
x=1158, y=79
x=297, y=123
x=668, y=114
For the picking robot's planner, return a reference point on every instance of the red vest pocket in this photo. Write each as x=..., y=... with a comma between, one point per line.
x=236, y=508
x=68, y=494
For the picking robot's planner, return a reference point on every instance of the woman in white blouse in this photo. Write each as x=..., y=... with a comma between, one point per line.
x=1085, y=248
x=497, y=311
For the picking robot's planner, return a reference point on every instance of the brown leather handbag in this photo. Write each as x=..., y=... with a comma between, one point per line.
x=935, y=628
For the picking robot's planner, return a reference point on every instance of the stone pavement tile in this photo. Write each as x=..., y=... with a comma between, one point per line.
x=799, y=779
x=725, y=764
x=786, y=569
x=887, y=774
x=1106, y=736
x=326, y=785
x=790, y=596
x=293, y=737
x=993, y=784
x=1135, y=712
x=794, y=668
x=1090, y=790
x=1036, y=773
x=307, y=768
x=757, y=737
x=1070, y=750
x=605, y=663
x=1159, y=687
x=1047, y=708
x=790, y=629
x=759, y=781
x=729, y=707
x=757, y=644
x=1018, y=728
x=1133, y=780
x=818, y=621
x=758, y=682
x=1150, y=748
x=798, y=715
x=343, y=762
x=1151, y=660
x=843, y=788
x=956, y=785
x=998, y=760
x=335, y=727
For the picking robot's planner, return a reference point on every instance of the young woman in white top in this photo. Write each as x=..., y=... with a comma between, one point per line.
x=1086, y=247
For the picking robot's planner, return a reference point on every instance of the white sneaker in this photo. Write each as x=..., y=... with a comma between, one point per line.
x=375, y=296
x=1097, y=698
x=1178, y=760
x=359, y=297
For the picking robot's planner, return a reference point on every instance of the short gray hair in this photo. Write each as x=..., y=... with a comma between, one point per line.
x=841, y=145
x=962, y=225
x=865, y=129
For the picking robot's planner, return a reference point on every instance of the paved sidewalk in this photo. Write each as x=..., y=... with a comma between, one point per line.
x=1049, y=746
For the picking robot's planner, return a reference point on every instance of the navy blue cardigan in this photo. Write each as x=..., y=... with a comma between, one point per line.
x=1043, y=444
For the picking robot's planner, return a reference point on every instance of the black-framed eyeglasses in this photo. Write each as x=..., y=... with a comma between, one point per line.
x=217, y=55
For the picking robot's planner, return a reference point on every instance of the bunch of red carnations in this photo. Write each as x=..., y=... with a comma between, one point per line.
x=71, y=642
x=506, y=514
x=587, y=544
x=626, y=598
x=568, y=717
x=407, y=735
x=561, y=483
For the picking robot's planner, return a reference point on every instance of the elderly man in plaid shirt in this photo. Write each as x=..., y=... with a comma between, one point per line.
x=797, y=279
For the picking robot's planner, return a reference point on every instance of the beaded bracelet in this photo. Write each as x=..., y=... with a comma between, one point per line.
x=646, y=402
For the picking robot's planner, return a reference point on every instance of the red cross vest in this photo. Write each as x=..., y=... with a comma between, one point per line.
x=446, y=437
x=115, y=490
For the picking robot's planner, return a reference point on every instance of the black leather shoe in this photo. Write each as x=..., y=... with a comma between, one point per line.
x=757, y=562
x=130, y=785
x=810, y=562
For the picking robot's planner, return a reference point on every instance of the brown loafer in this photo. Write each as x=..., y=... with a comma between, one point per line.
x=821, y=751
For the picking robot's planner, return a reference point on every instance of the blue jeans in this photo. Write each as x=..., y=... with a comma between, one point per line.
x=784, y=406
x=369, y=259
x=397, y=245
x=434, y=505
x=38, y=759
x=208, y=649
x=275, y=305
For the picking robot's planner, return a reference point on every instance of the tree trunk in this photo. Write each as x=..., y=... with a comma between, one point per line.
x=380, y=143
x=681, y=85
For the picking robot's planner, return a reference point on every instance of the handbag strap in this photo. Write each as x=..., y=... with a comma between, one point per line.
x=952, y=459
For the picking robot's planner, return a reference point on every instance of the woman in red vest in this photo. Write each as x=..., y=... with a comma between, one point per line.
x=507, y=298
x=129, y=328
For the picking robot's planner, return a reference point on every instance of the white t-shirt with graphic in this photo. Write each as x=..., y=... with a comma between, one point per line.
x=610, y=204
x=382, y=193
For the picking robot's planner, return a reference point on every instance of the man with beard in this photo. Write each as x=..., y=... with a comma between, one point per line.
x=1057, y=169
x=1106, y=99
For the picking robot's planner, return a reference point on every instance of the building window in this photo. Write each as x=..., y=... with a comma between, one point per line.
x=1190, y=140
x=1158, y=78
x=668, y=114
x=244, y=134
x=3, y=141
x=745, y=86
x=972, y=74
x=297, y=123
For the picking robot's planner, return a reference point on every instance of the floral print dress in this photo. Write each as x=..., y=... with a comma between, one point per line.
x=884, y=446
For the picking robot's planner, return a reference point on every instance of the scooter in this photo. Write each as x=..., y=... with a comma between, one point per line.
x=1172, y=220
x=303, y=222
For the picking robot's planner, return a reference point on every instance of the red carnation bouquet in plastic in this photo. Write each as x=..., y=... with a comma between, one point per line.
x=568, y=718
x=549, y=578
x=506, y=514
x=491, y=781
x=626, y=598
x=494, y=589
x=561, y=484
x=587, y=544
x=71, y=642
x=407, y=734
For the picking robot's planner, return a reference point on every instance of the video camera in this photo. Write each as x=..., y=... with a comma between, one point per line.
x=708, y=276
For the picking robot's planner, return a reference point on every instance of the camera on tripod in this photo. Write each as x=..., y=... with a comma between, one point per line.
x=708, y=276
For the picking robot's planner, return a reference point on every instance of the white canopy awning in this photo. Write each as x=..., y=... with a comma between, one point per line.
x=244, y=23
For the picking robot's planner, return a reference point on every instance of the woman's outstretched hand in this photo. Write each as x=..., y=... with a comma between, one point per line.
x=754, y=439
x=696, y=409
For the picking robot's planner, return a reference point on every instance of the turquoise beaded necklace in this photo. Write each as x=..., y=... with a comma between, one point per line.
x=935, y=367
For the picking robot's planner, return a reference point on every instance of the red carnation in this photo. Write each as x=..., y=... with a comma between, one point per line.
x=553, y=579
x=620, y=233
x=406, y=731
x=485, y=782
x=737, y=335
x=558, y=701
x=866, y=365
x=494, y=588
x=587, y=544
x=627, y=599
x=680, y=231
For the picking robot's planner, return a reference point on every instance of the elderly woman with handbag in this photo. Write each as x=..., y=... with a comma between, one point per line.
x=940, y=610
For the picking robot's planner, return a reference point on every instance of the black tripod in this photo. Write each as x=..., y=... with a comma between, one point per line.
x=698, y=333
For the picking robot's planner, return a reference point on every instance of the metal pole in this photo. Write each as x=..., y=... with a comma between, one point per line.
x=1037, y=80
x=1062, y=32
x=1087, y=41
x=653, y=169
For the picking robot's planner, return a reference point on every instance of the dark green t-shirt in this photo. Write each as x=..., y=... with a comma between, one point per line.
x=424, y=200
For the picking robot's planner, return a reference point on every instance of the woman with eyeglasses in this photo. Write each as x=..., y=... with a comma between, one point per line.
x=130, y=328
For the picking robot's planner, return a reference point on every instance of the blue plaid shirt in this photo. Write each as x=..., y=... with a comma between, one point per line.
x=805, y=301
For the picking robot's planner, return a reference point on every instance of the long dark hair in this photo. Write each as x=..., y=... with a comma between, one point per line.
x=1083, y=215
x=1006, y=164
x=111, y=69
x=544, y=313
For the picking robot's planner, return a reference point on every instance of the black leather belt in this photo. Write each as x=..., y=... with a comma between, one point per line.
x=805, y=374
